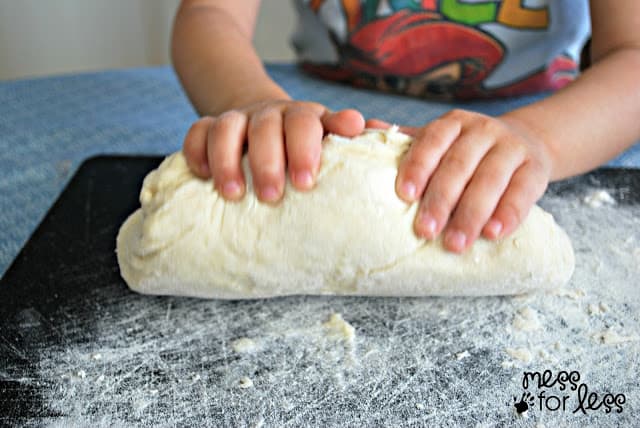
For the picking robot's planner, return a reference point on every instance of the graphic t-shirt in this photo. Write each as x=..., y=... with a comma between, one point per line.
x=444, y=48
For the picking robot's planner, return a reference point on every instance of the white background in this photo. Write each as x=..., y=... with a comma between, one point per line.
x=42, y=37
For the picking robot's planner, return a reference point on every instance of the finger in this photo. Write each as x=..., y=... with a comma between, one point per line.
x=482, y=194
x=423, y=156
x=448, y=182
x=377, y=124
x=224, y=150
x=381, y=124
x=524, y=189
x=266, y=153
x=195, y=147
x=348, y=123
x=303, y=141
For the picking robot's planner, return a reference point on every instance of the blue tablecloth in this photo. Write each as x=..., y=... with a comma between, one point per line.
x=48, y=126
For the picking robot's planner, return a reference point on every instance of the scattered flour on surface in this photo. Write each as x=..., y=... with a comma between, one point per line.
x=572, y=293
x=598, y=198
x=526, y=319
x=244, y=345
x=611, y=337
x=462, y=355
x=245, y=383
x=338, y=328
x=520, y=354
x=153, y=349
x=507, y=364
x=597, y=309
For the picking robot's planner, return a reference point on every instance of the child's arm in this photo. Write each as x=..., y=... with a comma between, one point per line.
x=225, y=80
x=482, y=174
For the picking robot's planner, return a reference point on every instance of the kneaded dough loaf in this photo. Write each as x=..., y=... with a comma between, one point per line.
x=350, y=235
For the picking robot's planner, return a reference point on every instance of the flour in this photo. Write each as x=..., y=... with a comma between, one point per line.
x=176, y=361
x=245, y=383
x=596, y=309
x=244, y=345
x=611, y=337
x=522, y=354
x=527, y=319
x=462, y=355
x=338, y=328
x=598, y=198
x=574, y=294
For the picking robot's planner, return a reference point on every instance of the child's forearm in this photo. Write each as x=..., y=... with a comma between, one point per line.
x=215, y=60
x=594, y=119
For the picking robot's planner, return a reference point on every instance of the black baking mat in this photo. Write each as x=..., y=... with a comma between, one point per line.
x=68, y=257
x=48, y=296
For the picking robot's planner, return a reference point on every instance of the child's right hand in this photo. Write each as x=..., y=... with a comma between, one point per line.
x=278, y=132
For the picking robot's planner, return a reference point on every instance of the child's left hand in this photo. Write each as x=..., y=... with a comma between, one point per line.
x=474, y=174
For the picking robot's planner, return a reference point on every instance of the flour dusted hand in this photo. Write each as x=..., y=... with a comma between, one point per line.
x=350, y=235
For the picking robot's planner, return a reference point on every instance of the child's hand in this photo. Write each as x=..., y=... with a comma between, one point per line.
x=277, y=132
x=474, y=173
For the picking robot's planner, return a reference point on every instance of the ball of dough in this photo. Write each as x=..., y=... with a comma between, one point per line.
x=350, y=235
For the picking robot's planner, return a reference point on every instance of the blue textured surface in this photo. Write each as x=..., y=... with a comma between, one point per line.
x=49, y=126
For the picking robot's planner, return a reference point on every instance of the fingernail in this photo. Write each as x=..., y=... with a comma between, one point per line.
x=269, y=193
x=304, y=179
x=204, y=169
x=428, y=224
x=494, y=227
x=409, y=190
x=231, y=188
x=455, y=240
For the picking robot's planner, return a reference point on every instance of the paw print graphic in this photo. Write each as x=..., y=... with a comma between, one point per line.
x=526, y=402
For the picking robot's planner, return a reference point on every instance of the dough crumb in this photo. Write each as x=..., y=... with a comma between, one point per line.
x=610, y=337
x=546, y=356
x=338, y=328
x=82, y=374
x=521, y=354
x=462, y=355
x=245, y=383
x=599, y=309
x=419, y=406
x=575, y=294
x=598, y=198
x=244, y=345
x=390, y=133
x=506, y=364
x=526, y=320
